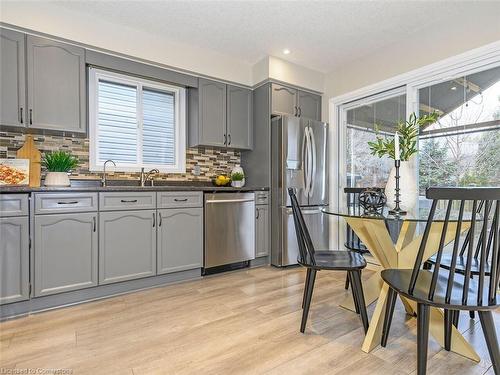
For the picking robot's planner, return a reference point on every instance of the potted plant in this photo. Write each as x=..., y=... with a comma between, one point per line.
x=405, y=147
x=58, y=164
x=237, y=179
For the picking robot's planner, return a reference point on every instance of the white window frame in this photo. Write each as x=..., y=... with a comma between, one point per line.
x=95, y=75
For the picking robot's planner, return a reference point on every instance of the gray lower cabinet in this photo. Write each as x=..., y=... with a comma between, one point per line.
x=65, y=252
x=180, y=239
x=262, y=240
x=127, y=245
x=239, y=118
x=13, y=78
x=14, y=259
x=309, y=105
x=56, y=85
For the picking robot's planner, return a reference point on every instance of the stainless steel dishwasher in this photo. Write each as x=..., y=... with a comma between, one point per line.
x=229, y=229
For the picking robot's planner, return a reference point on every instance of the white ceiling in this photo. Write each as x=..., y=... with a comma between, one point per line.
x=322, y=35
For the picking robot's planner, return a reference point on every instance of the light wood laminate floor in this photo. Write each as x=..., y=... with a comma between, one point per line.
x=243, y=322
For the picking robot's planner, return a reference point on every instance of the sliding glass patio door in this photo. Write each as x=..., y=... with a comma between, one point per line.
x=362, y=121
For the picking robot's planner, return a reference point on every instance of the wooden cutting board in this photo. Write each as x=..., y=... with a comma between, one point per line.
x=31, y=152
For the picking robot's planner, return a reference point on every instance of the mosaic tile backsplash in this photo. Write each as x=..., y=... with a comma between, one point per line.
x=212, y=161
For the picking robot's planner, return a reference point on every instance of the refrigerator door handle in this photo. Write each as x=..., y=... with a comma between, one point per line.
x=305, y=162
x=309, y=162
x=313, y=160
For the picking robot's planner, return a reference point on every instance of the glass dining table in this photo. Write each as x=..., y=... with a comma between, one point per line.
x=394, y=242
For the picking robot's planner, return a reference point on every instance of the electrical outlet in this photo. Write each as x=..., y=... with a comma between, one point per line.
x=196, y=170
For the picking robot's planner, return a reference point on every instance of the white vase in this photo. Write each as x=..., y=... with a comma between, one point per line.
x=408, y=188
x=238, y=184
x=57, y=179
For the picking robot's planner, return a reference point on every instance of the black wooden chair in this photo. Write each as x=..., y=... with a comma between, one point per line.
x=461, y=262
x=316, y=261
x=447, y=288
x=353, y=243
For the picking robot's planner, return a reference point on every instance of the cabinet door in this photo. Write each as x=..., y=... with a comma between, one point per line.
x=12, y=76
x=56, y=85
x=283, y=99
x=212, y=113
x=14, y=259
x=127, y=245
x=239, y=118
x=309, y=105
x=65, y=252
x=262, y=241
x=180, y=239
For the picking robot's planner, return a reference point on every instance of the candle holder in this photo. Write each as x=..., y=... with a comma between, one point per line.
x=397, y=210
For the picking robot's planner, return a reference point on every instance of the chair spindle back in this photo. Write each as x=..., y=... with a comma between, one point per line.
x=484, y=202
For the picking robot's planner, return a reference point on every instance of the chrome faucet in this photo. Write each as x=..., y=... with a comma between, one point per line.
x=103, y=179
x=145, y=177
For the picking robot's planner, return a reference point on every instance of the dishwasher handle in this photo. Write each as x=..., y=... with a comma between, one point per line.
x=229, y=200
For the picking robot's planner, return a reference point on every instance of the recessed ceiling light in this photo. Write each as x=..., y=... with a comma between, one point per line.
x=453, y=88
x=286, y=51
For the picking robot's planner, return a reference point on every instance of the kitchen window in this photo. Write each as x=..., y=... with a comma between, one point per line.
x=136, y=123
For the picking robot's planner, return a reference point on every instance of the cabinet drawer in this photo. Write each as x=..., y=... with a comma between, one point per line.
x=127, y=201
x=261, y=197
x=52, y=203
x=13, y=205
x=174, y=199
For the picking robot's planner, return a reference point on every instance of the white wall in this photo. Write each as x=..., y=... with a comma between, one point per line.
x=294, y=74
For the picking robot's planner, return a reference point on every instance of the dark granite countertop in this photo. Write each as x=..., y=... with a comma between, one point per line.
x=117, y=185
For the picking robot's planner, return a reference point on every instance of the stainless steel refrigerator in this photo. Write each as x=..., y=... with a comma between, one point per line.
x=299, y=160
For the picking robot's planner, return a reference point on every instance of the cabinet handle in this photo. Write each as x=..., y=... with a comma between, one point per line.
x=159, y=215
x=225, y=139
x=94, y=221
x=300, y=111
x=31, y=117
x=21, y=120
x=295, y=110
x=258, y=214
x=180, y=200
x=72, y=202
x=154, y=219
x=229, y=139
x=129, y=200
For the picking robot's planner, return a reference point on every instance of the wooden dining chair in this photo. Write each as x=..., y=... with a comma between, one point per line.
x=315, y=261
x=352, y=242
x=447, y=288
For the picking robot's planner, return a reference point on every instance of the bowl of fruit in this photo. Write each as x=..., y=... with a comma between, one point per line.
x=222, y=180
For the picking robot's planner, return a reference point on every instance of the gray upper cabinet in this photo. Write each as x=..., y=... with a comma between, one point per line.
x=180, y=239
x=309, y=105
x=14, y=259
x=13, y=78
x=262, y=239
x=207, y=114
x=65, y=252
x=283, y=99
x=220, y=115
x=239, y=118
x=127, y=245
x=56, y=85
x=289, y=100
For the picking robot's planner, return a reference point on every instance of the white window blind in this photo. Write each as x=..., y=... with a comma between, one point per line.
x=136, y=123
